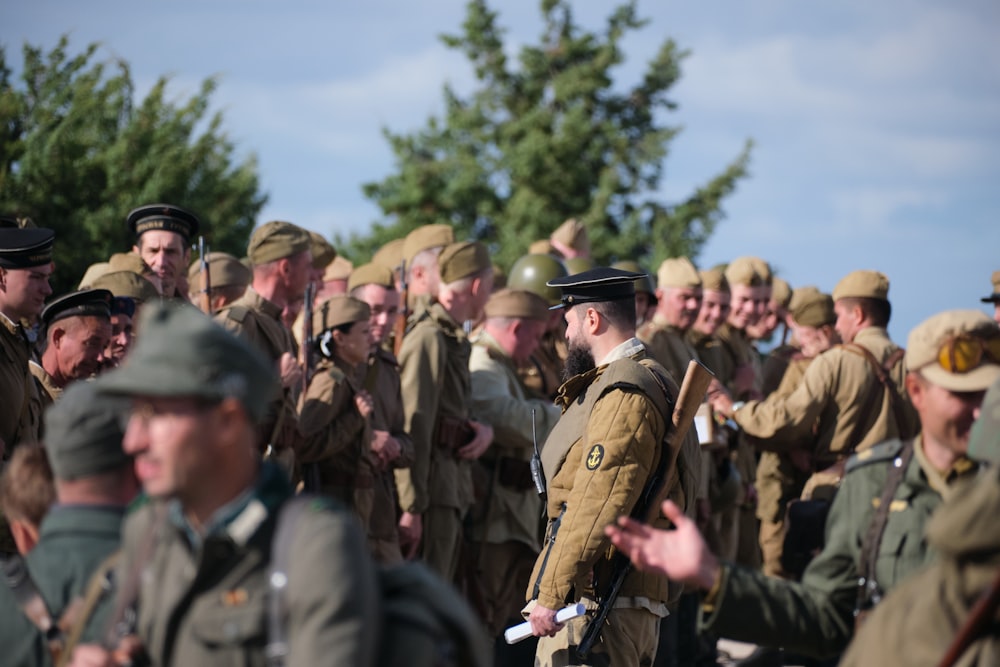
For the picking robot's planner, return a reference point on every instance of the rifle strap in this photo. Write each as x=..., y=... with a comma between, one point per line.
x=887, y=385
x=100, y=585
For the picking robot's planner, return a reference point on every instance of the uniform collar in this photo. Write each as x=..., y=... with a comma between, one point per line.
x=253, y=299
x=629, y=348
x=942, y=481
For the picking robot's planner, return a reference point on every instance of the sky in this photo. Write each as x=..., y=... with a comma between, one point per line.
x=876, y=124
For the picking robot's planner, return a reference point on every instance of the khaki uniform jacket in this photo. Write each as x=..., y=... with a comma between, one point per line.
x=667, y=344
x=73, y=542
x=816, y=616
x=45, y=386
x=735, y=350
x=20, y=418
x=836, y=392
x=435, y=384
x=258, y=321
x=597, y=460
x=710, y=352
x=510, y=511
x=916, y=624
x=204, y=602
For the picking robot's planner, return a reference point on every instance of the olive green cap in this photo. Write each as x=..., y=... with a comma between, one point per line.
x=426, y=237
x=781, y=292
x=924, y=346
x=862, y=285
x=763, y=269
x=371, y=274
x=715, y=280
x=93, y=272
x=532, y=272
x=812, y=308
x=744, y=271
x=339, y=269
x=461, y=260
x=995, y=297
x=516, y=303
x=127, y=283
x=573, y=233
x=84, y=431
x=277, y=240
x=323, y=251
x=677, y=272
x=644, y=284
x=339, y=309
x=984, y=440
x=128, y=261
x=224, y=270
x=390, y=255
x=183, y=353
x=801, y=293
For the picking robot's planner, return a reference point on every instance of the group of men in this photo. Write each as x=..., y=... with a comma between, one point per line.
x=492, y=425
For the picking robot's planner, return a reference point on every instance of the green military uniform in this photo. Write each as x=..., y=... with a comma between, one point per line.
x=504, y=524
x=203, y=601
x=816, y=616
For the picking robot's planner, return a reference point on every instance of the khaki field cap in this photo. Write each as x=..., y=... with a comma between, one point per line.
x=812, y=308
x=862, y=284
x=371, y=274
x=678, y=272
x=93, y=272
x=995, y=297
x=743, y=271
x=224, y=270
x=322, y=251
x=573, y=234
x=84, y=431
x=956, y=350
x=781, y=292
x=426, y=237
x=277, y=240
x=128, y=261
x=762, y=268
x=520, y=304
x=183, y=353
x=339, y=309
x=390, y=255
x=461, y=260
x=127, y=283
x=984, y=441
x=715, y=280
x=339, y=269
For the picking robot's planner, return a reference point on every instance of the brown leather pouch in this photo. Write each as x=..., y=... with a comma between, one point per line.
x=453, y=434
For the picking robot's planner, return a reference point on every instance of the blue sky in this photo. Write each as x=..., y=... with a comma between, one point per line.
x=877, y=125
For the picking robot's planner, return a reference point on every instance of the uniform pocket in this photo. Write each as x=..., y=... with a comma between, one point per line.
x=233, y=629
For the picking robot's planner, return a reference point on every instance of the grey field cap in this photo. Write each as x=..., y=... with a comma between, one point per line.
x=183, y=353
x=84, y=431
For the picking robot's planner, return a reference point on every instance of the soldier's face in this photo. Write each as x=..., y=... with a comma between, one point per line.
x=297, y=273
x=946, y=417
x=354, y=346
x=121, y=338
x=714, y=311
x=743, y=307
x=78, y=345
x=165, y=253
x=680, y=305
x=384, y=304
x=23, y=291
x=527, y=337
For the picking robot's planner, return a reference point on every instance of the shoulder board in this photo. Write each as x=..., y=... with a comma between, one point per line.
x=885, y=451
x=237, y=313
x=337, y=374
x=424, y=315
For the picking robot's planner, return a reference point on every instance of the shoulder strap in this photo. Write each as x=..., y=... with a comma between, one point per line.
x=76, y=617
x=276, y=650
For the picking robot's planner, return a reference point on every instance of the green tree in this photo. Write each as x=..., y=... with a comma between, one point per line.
x=553, y=138
x=77, y=154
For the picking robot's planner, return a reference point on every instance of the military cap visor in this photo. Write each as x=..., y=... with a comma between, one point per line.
x=595, y=285
x=165, y=217
x=85, y=303
x=25, y=248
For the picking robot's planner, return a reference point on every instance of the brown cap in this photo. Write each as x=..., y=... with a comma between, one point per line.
x=862, y=284
x=744, y=271
x=995, y=297
x=224, y=270
x=517, y=303
x=339, y=269
x=923, y=349
x=93, y=272
x=390, y=255
x=573, y=233
x=677, y=272
x=371, y=274
x=277, y=240
x=337, y=310
x=543, y=247
x=763, y=269
x=128, y=261
x=781, y=292
x=427, y=236
x=812, y=308
x=127, y=283
x=461, y=260
x=322, y=251
x=715, y=280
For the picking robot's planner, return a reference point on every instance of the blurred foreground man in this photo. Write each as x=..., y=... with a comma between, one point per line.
x=198, y=553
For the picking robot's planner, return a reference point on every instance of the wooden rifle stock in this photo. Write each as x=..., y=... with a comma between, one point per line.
x=399, y=330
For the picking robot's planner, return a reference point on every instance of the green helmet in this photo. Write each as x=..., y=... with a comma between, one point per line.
x=644, y=284
x=531, y=272
x=579, y=264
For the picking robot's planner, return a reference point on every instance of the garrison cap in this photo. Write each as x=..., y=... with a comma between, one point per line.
x=93, y=272
x=984, y=440
x=128, y=261
x=183, y=353
x=323, y=251
x=339, y=269
x=995, y=297
x=863, y=285
x=224, y=270
x=678, y=272
x=371, y=274
x=128, y=283
x=811, y=308
x=461, y=260
x=781, y=292
x=517, y=303
x=762, y=268
x=163, y=216
x=426, y=237
x=338, y=310
x=84, y=431
x=715, y=280
x=277, y=240
x=542, y=247
x=642, y=285
x=745, y=271
x=573, y=234
x=390, y=255
x=923, y=349
x=85, y=303
x=600, y=284
x=24, y=248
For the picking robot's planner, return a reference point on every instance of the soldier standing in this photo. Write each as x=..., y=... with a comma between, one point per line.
x=678, y=295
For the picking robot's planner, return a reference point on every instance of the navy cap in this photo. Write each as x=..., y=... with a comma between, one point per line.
x=88, y=302
x=163, y=216
x=23, y=248
x=594, y=285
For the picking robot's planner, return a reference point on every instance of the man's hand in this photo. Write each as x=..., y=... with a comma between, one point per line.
x=410, y=531
x=721, y=401
x=543, y=621
x=386, y=447
x=680, y=554
x=364, y=403
x=289, y=370
x=479, y=443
